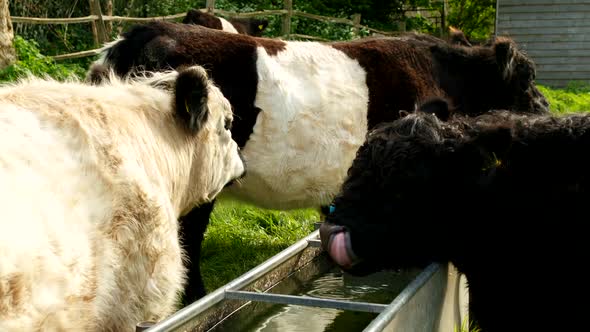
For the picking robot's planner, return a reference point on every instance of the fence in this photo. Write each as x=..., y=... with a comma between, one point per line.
x=101, y=31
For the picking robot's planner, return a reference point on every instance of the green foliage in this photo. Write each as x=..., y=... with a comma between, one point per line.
x=31, y=61
x=474, y=17
x=421, y=24
x=574, y=98
x=240, y=237
x=54, y=39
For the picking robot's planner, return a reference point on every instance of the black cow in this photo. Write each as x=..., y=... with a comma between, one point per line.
x=302, y=109
x=502, y=196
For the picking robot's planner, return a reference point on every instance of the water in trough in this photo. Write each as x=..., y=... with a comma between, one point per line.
x=380, y=287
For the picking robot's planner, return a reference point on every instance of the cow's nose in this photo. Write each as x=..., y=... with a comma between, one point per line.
x=326, y=231
x=336, y=242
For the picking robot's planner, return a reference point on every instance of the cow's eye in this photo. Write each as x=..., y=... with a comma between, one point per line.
x=227, y=125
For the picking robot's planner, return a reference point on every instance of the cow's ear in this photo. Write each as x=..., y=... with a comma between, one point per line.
x=258, y=26
x=192, y=16
x=437, y=106
x=97, y=74
x=505, y=57
x=457, y=37
x=515, y=67
x=262, y=24
x=191, y=93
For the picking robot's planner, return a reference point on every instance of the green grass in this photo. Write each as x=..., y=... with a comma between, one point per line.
x=572, y=99
x=240, y=237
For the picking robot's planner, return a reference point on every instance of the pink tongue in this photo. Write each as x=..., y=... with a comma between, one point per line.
x=338, y=250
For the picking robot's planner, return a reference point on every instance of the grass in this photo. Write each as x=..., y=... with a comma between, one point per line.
x=240, y=237
x=573, y=98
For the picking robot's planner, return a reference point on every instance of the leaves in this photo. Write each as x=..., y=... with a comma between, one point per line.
x=31, y=61
x=474, y=17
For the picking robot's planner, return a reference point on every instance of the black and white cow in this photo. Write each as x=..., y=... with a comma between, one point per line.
x=302, y=109
x=246, y=26
x=501, y=196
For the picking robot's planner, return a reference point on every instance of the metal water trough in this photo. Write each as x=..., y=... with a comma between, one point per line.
x=436, y=300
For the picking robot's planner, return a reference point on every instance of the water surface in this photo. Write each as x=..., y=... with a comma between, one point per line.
x=381, y=287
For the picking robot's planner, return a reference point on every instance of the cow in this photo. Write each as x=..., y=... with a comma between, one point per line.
x=502, y=196
x=247, y=26
x=458, y=37
x=302, y=109
x=93, y=180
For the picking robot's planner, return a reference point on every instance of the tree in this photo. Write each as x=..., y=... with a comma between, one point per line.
x=474, y=17
x=7, y=53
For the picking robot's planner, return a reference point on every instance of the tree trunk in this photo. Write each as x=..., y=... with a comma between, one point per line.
x=7, y=53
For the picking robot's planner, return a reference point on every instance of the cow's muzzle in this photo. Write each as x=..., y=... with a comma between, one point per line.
x=336, y=242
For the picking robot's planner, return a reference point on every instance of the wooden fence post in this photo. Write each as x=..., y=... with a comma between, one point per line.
x=443, y=18
x=101, y=34
x=93, y=25
x=109, y=24
x=286, y=30
x=356, y=20
x=210, y=5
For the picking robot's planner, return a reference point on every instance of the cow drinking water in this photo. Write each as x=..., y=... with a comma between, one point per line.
x=302, y=109
x=501, y=196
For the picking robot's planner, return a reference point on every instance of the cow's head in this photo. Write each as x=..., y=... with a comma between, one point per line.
x=250, y=26
x=374, y=217
x=403, y=188
x=247, y=26
x=204, y=117
x=457, y=37
x=496, y=75
x=207, y=117
x=197, y=17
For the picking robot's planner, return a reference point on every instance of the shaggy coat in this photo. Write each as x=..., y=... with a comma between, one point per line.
x=501, y=196
x=303, y=108
x=247, y=26
x=92, y=183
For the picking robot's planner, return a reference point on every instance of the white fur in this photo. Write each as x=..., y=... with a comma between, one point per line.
x=227, y=26
x=314, y=102
x=92, y=182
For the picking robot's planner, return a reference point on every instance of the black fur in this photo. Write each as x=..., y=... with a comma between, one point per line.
x=247, y=26
x=191, y=98
x=502, y=196
x=192, y=234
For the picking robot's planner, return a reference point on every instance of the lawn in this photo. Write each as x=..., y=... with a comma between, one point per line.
x=574, y=98
x=240, y=237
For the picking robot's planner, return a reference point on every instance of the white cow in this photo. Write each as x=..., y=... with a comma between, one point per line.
x=92, y=182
